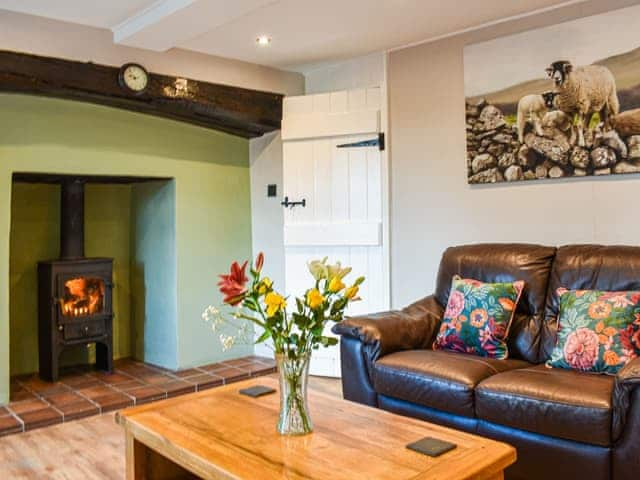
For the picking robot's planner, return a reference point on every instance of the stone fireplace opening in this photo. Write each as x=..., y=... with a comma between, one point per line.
x=78, y=295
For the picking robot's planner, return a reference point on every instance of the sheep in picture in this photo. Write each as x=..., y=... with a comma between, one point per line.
x=558, y=120
x=531, y=108
x=550, y=99
x=584, y=91
x=626, y=123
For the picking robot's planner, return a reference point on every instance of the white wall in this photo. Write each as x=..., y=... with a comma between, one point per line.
x=267, y=216
x=360, y=72
x=432, y=205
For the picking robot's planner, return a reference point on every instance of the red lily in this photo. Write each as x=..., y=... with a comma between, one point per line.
x=259, y=262
x=233, y=285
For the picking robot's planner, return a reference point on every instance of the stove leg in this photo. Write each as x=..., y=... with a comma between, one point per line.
x=104, y=355
x=49, y=369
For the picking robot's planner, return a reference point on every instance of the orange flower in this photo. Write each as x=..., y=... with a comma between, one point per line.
x=599, y=327
x=479, y=317
x=507, y=303
x=611, y=358
x=610, y=332
x=457, y=323
x=599, y=310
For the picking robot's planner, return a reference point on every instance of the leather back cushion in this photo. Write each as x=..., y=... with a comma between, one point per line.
x=587, y=267
x=503, y=262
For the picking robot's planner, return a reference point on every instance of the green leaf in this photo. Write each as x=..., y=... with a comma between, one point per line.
x=339, y=305
x=251, y=306
x=328, y=341
x=300, y=320
x=265, y=335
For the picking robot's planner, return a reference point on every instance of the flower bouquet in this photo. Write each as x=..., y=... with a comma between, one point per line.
x=294, y=334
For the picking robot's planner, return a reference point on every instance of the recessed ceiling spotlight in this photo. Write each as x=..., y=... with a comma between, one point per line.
x=263, y=40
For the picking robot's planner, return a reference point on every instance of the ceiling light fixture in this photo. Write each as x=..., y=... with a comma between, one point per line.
x=263, y=40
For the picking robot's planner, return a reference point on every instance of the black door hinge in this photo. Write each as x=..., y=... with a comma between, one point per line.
x=374, y=142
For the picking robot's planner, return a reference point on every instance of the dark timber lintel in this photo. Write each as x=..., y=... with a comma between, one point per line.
x=238, y=111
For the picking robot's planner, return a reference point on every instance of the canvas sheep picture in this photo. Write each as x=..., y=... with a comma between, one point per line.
x=560, y=101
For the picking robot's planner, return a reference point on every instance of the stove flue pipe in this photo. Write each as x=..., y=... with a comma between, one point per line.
x=71, y=219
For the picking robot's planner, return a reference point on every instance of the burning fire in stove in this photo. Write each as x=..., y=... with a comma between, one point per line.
x=82, y=296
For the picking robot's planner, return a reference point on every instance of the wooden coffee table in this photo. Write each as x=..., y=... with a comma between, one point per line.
x=220, y=434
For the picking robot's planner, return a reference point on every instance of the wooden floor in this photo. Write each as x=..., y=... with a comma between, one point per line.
x=87, y=449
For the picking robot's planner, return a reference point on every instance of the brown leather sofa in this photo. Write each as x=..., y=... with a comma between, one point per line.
x=564, y=424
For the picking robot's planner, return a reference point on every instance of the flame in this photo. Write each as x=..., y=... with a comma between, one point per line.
x=82, y=296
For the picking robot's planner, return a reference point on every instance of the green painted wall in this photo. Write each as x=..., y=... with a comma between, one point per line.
x=154, y=237
x=35, y=219
x=107, y=211
x=212, y=196
x=35, y=236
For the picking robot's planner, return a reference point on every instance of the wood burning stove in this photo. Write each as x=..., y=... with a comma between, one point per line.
x=75, y=293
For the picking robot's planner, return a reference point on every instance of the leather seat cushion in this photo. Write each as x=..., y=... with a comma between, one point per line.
x=440, y=380
x=554, y=402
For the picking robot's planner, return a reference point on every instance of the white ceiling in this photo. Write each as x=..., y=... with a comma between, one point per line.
x=304, y=32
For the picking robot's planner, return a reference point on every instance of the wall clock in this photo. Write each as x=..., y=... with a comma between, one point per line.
x=133, y=78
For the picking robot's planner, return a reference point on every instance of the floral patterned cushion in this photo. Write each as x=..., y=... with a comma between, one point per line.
x=478, y=317
x=597, y=331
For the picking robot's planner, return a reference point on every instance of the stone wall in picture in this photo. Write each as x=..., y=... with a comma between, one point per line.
x=494, y=153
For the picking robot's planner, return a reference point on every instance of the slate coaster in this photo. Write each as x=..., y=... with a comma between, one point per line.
x=257, y=391
x=431, y=446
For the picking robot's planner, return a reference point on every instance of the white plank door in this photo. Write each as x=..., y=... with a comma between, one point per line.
x=343, y=190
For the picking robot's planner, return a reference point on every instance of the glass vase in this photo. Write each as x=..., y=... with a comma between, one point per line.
x=294, y=411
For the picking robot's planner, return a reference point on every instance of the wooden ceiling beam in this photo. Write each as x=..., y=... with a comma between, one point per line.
x=238, y=111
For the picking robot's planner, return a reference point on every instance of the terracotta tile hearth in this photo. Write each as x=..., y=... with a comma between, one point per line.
x=82, y=392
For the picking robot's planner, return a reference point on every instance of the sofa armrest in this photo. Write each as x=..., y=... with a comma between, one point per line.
x=630, y=374
x=413, y=327
x=368, y=337
x=627, y=379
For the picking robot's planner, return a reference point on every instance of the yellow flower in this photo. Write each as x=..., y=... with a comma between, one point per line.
x=314, y=298
x=265, y=285
x=274, y=303
x=351, y=292
x=335, y=285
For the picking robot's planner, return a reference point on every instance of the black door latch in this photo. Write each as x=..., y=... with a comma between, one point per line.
x=287, y=204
